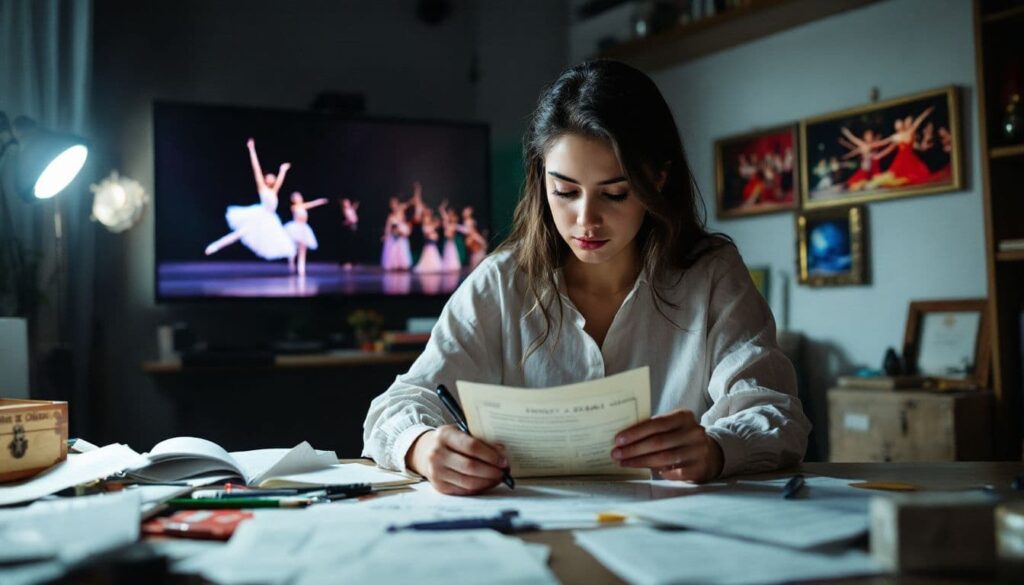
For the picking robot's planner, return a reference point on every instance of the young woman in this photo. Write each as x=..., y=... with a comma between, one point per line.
x=299, y=231
x=608, y=267
x=258, y=226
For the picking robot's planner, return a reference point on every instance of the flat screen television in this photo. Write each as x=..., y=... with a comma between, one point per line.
x=269, y=203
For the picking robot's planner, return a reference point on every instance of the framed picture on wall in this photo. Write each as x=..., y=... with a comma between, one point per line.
x=948, y=340
x=832, y=247
x=762, y=277
x=757, y=172
x=896, y=148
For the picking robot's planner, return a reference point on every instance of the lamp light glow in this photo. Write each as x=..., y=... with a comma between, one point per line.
x=60, y=172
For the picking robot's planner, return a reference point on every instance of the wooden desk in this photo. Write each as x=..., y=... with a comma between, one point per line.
x=571, y=564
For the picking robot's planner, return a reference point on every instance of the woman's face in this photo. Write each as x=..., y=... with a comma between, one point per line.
x=270, y=179
x=594, y=208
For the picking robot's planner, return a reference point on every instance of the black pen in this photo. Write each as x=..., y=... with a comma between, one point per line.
x=793, y=486
x=460, y=419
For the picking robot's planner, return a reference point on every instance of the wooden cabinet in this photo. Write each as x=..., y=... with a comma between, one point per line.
x=999, y=38
x=882, y=425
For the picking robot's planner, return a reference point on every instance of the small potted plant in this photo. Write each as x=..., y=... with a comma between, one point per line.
x=366, y=324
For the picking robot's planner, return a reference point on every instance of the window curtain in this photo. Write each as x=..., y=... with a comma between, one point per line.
x=45, y=70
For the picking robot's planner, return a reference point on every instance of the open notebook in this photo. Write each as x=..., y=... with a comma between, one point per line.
x=201, y=462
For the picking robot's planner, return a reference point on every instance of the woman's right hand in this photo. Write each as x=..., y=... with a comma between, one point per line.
x=250, y=143
x=456, y=463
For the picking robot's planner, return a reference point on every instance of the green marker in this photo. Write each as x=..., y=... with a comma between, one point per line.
x=237, y=503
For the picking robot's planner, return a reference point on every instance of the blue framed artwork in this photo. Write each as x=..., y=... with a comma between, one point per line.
x=831, y=247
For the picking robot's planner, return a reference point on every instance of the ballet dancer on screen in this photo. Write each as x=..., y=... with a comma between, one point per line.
x=258, y=225
x=430, y=257
x=476, y=243
x=349, y=213
x=299, y=231
x=450, y=261
x=396, y=254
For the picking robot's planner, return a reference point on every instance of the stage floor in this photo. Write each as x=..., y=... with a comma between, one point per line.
x=272, y=279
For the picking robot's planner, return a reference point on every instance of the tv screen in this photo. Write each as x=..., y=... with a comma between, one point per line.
x=267, y=203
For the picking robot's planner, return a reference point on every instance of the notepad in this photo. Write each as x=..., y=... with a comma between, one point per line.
x=200, y=462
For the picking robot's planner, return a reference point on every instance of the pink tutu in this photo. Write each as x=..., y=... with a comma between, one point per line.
x=430, y=259
x=396, y=255
x=450, y=259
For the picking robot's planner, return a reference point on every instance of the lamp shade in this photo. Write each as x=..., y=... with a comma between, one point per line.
x=45, y=162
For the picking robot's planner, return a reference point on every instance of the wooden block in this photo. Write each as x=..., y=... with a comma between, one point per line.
x=33, y=437
x=931, y=532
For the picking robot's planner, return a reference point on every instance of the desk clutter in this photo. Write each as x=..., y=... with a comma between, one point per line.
x=298, y=516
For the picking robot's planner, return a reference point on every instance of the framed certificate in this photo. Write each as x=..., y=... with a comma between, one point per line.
x=948, y=340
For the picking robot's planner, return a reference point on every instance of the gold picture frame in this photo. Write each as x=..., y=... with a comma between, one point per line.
x=757, y=172
x=831, y=247
x=901, y=147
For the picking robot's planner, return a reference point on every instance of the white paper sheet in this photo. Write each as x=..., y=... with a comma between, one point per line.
x=68, y=529
x=828, y=511
x=342, y=473
x=77, y=469
x=564, y=430
x=646, y=556
x=439, y=558
x=349, y=542
x=550, y=503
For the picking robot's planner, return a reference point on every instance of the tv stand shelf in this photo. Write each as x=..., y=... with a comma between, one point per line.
x=296, y=361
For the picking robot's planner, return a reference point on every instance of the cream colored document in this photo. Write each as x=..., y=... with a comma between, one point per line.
x=564, y=430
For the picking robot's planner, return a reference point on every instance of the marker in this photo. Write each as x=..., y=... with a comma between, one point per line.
x=793, y=486
x=460, y=419
x=237, y=503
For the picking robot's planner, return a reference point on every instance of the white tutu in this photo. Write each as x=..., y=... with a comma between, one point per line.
x=301, y=233
x=261, y=231
x=450, y=259
x=397, y=255
x=430, y=259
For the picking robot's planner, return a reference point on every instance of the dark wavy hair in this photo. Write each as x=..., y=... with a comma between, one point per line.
x=614, y=102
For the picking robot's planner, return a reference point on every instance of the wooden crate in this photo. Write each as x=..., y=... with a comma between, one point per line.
x=33, y=437
x=908, y=425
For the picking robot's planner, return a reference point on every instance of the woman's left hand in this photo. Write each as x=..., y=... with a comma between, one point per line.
x=673, y=445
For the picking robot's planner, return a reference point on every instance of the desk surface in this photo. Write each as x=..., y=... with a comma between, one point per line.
x=571, y=564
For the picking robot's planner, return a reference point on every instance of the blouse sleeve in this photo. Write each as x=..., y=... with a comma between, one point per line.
x=464, y=344
x=756, y=416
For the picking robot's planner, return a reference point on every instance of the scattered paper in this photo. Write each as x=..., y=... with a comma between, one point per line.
x=550, y=504
x=647, y=556
x=827, y=512
x=68, y=529
x=77, y=469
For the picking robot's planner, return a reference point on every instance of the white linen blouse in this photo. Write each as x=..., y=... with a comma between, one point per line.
x=720, y=359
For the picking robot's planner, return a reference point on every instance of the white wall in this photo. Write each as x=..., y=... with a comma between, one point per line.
x=920, y=247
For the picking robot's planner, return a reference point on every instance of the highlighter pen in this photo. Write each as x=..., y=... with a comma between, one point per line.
x=460, y=419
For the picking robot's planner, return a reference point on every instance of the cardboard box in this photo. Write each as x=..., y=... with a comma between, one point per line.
x=910, y=425
x=33, y=437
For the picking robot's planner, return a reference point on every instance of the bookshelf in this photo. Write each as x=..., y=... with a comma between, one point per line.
x=749, y=21
x=999, y=45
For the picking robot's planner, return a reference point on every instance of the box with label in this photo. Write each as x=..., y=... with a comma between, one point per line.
x=910, y=425
x=33, y=437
